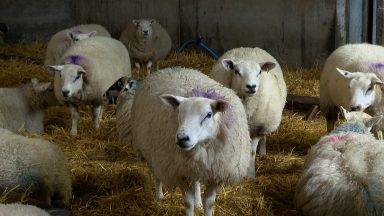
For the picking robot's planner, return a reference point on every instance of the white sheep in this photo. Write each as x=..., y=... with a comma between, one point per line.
x=343, y=174
x=352, y=77
x=24, y=107
x=147, y=42
x=64, y=39
x=190, y=129
x=256, y=77
x=34, y=165
x=16, y=209
x=87, y=71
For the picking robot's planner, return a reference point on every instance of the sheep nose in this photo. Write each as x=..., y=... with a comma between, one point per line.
x=65, y=93
x=251, y=88
x=356, y=108
x=182, y=141
x=145, y=32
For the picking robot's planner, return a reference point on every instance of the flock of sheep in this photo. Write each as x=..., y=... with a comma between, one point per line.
x=191, y=128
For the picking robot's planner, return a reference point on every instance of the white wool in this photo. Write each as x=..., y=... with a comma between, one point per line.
x=25, y=161
x=16, y=209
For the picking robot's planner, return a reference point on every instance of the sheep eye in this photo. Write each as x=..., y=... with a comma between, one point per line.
x=237, y=72
x=370, y=88
x=209, y=115
x=77, y=77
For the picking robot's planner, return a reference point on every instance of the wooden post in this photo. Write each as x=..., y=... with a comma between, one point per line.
x=340, y=28
x=380, y=22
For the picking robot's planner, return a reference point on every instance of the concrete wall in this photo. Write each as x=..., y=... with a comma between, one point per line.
x=296, y=32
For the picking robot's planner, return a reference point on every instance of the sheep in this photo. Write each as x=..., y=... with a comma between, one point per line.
x=343, y=173
x=34, y=165
x=3, y=31
x=189, y=129
x=88, y=69
x=147, y=42
x=114, y=91
x=64, y=39
x=352, y=77
x=24, y=107
x=256, y=77
x=16, y=209
x=360, y=116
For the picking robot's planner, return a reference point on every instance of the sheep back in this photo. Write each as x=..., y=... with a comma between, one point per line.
x=154, y=126
x=156, y=49
x=104, y=59
x=16, y=209
x=342, y=176
x=36, y=165
x=60, y=41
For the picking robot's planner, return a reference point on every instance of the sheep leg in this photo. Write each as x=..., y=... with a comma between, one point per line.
x=331, y=116
x=252, y=167
x=189, y=200
x=149, y=65
x=159, y=189
x=137, y=65
x=379, y=134
x=263, y=145
x=209, y=198
x=97, y=113
x=75, y=116
x=198, y=203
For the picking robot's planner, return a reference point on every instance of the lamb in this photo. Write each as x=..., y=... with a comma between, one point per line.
x=34, y=165
x=24, y=107
x=343, y=173
x=62, y=40
x=256, y=77
x=87, y=71
x=17, y=209
x=147, y=42
x=352, y=77
x=190, y=129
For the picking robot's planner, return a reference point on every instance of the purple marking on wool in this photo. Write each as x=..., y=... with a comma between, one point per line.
x=212, y=94
x=379, y=67
x=74, y=59
x=206, y=93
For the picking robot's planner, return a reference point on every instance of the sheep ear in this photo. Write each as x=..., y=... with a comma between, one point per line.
x=172, y=100
x=92, y=34
x=219, y=106
x=377, y=81
x=345, y=73
x=152, y=21
x=72, y=35
x=135, y=22
x=344, y=113
x=56, y=68
x=370, y=123
x=81, y=71
x=228, y=64
x=267, y=66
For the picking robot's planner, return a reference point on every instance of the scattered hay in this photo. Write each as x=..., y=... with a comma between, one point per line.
x=108, y=178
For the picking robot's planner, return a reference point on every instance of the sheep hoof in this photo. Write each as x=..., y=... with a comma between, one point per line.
x=73, y=132
x=159, y=196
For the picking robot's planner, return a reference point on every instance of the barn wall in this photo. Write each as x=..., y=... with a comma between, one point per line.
x=296, y=32
x=36, y=19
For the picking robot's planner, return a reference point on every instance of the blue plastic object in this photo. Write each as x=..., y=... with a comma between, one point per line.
x=199, y=43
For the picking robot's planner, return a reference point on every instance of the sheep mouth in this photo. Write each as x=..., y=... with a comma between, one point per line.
x=250, y=92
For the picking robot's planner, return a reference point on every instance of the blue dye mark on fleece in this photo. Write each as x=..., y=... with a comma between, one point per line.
x=74, y=59
x=373, y=196
x=350, y=127
x=206, y=93
x=31, y=179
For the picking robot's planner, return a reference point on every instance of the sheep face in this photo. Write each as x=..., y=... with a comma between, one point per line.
x=246, y=75
x=143, y=28
x=71, y=77
x=198, y=118
x=78, y=36
x=362, y=87
x=354, y=116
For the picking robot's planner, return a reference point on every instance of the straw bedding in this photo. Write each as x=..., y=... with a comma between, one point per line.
x=108, y=178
